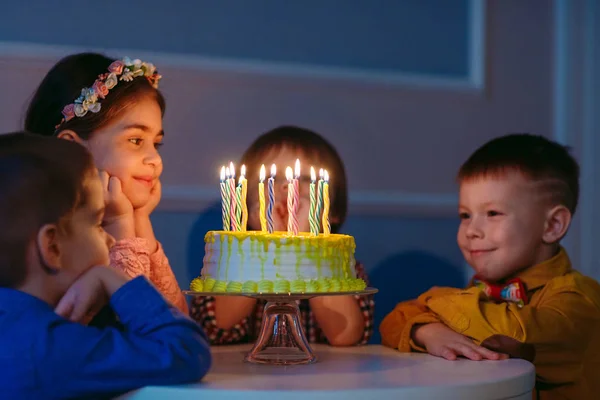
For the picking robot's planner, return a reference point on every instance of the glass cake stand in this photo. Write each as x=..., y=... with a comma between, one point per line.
x=282, y=340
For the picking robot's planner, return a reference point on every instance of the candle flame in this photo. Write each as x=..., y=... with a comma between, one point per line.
x=326, y=176
x=289, y=174
x=227, y=173
x=222, y=173
x=297, y=168
x=313, y=176
x=273, y=170
x=243, y=170
x=240, y=180
x=321, y=173
x=231, y=169
x=262, y=173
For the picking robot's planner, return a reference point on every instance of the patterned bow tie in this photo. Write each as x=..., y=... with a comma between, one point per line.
x=512, y=291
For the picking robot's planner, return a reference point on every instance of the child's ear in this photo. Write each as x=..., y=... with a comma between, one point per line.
x=49, y=247
x=557, y=223
x=68, y=134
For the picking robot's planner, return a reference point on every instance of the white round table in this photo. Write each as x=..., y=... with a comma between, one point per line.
x=362, y=372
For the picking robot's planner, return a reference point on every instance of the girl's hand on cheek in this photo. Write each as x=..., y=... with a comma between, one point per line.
x=142, y=223
x=118, y=215
x=153, y=201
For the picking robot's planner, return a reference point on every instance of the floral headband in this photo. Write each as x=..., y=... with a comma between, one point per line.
x=120, y=70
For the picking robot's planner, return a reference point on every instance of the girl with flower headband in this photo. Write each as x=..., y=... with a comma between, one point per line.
x=114, y=109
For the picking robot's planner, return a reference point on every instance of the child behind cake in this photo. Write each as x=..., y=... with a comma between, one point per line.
x=119, y=120
x=53, y=252
x=337, y=320
x=518, y=194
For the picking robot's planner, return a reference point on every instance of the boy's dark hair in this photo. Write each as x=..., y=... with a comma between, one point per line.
x=42, y=181
x=536, y=157
x=310, y=143
x=63, y=84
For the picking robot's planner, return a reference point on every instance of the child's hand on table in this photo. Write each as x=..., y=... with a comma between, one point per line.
x=441, y=341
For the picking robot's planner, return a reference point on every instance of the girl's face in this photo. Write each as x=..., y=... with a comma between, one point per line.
x=282, y=158
x=128, y=149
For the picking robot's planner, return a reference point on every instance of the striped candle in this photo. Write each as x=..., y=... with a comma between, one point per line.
x=312, y=218
x=228, y=195
x=261, y=199
x=224, y=200
x=292, y=226
x=326, y=225
x=296, y=194
x=319, y=200
x=233, y=200
x=271, y=190
x=244, y=204
x=238, y=208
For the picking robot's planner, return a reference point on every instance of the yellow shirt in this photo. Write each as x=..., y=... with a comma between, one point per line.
x=561, y=320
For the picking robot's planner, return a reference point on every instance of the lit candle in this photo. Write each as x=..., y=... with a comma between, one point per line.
x=326, y=225
x=271, y=189
x=229, y=196
x=319, y=200
x=261, y=199
x=235, y=226
x=292, y=218
x=224, y=200
x=312, y=218
x=244, y=184
x=238, y=208
x=296, y=194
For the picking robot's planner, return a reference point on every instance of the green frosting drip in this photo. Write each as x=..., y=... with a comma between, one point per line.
x=197, y=285
x=312, y=286
x=298, y=286
x=220, y=286
x=335, y=285
x=359, y=284
x=345, y=285
x=234, y=287
x=324, y=285
x=282, y=286
x=209, y=284
x=250, y=287
x=265, y=286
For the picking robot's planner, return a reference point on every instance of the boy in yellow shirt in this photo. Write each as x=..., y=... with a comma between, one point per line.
x=518, y=194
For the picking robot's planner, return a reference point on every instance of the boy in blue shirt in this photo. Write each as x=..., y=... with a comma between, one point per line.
x=53, y=276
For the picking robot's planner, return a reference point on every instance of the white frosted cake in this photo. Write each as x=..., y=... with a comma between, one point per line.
x=259, y=262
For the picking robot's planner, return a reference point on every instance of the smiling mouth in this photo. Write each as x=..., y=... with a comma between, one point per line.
x=479, y=252
x=145, y=181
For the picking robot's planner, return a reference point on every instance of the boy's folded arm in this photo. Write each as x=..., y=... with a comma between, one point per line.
x=396, y=327
x=159, y=346
x=559, y=328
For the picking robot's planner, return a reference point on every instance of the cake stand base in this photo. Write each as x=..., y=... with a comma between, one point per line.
x=282, y=340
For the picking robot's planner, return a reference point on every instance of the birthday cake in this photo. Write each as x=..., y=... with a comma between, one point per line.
x=257, y=262
x=266, y=261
